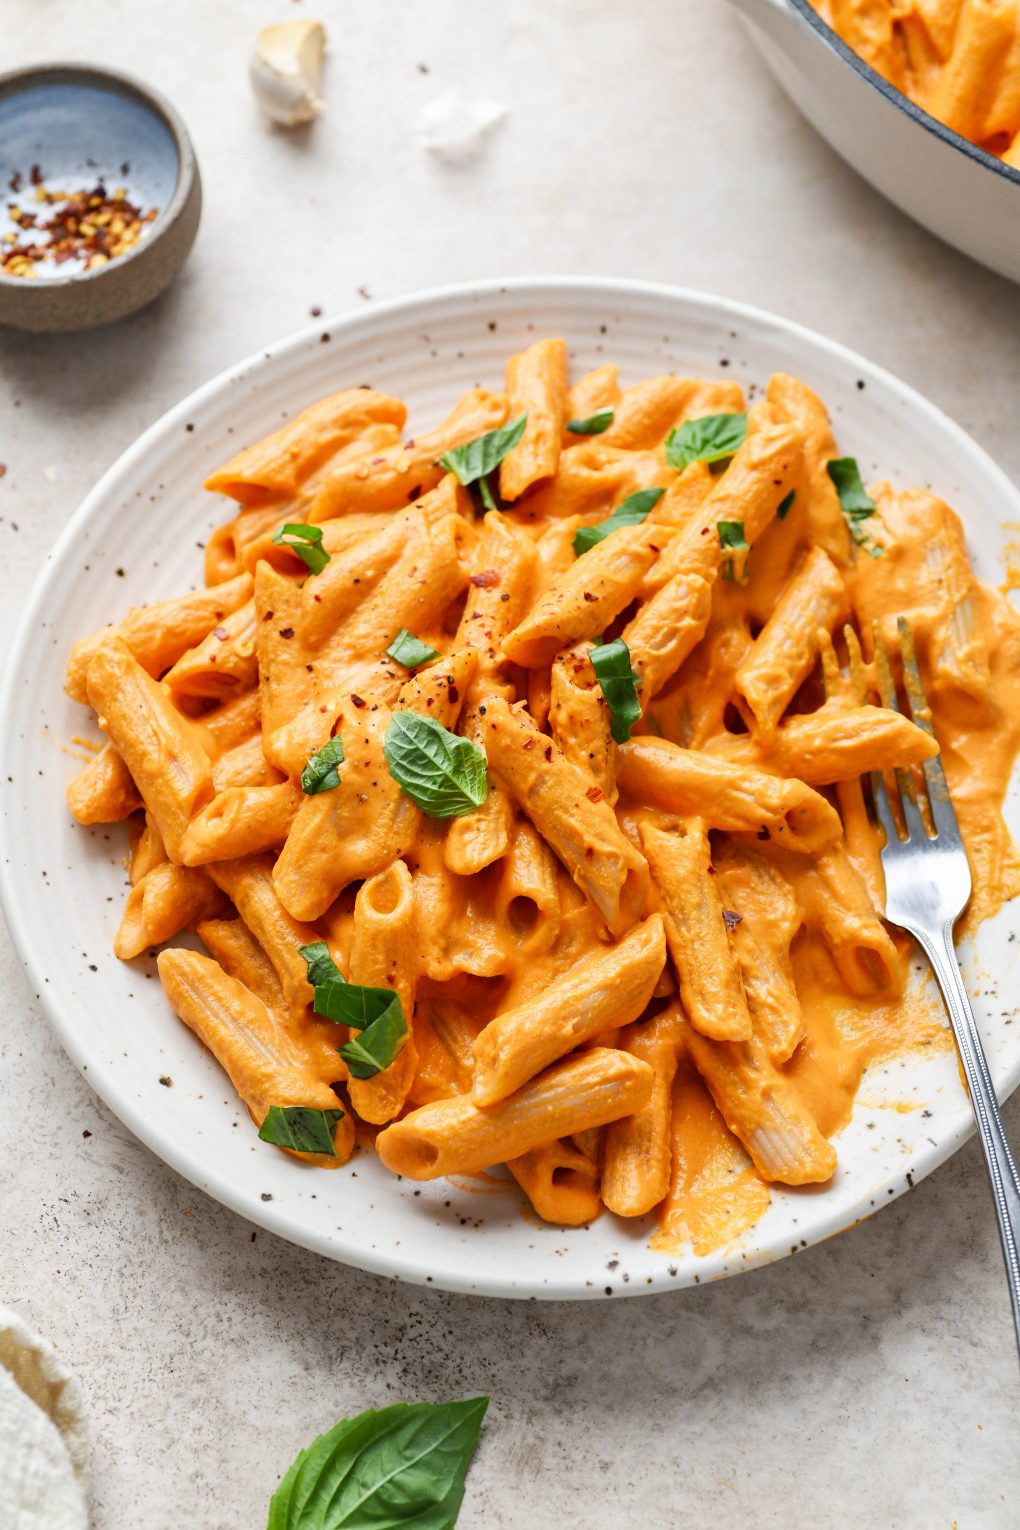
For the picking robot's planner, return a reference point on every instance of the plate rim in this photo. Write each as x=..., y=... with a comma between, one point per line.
x=246, y=1202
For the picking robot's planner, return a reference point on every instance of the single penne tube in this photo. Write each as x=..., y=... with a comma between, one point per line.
x=231, y=943
x=262, y=1060
x=278, y=465
x=581, y=603
x=786, y=650
x=536, y=385
x=249, y=885
x=223, y=664
x=240, y=821
x=220, y=561
x=739, y=798
x=398, y=475
x=444, y=1033
x=500, y=589
x=561, y=1183
x=707, y=970
x=285, y=684
x=966, y=92
x=835, y=904
x=158, y=635
x=244, y=765
x=457, y=927
x=839, y=742
x=815, y=515
x=161, y=748
x=683, y=500
x=364, y=823
x=167, y=900
x=579, y=719
x=591, y=480
x=254, y=530
x=762, y=917
x=608, y=989
x=571, y=815
x=527, y=901
x=481, y=838
x=384, y=954
x=147, y=849
x=453, y=1136
x=638, y=1148
x=231, y=723
x=597, y=389
x=666, y=629
x=104, y=791
x=763, y=1110
x=649, y=410
x=332, y=596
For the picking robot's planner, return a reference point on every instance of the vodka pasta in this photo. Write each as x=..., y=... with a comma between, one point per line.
x=513, y=778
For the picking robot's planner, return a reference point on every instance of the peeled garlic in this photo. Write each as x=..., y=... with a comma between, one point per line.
x=285, y=70
x=454, y=125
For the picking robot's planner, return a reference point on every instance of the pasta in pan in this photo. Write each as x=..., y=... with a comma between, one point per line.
x=511, y=778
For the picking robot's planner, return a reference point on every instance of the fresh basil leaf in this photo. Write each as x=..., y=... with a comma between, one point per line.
x=631, y=512
x=401, y=1468
x=486, y=494
x=476, y=459
x=731, y=539
x=786, y=505
x=410, y=651
x=306, y=541
x=440, y=772
x=592, y=424
x=321, y=774
x=377, y=1046
x=854, y=501
x=611, y=663
x=321, y=966
x=708, y=439
x=301, y=1129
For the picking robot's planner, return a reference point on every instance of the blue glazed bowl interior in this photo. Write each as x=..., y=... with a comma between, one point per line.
x=81, y=132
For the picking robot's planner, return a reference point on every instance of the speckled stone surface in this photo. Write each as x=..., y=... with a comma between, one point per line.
x=870, y=1382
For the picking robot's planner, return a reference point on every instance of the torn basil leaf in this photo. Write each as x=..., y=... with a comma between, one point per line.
x=631, y=512
x=592, y=424
x=376, y=1012
x=300, y=1128
x=854, y=501
x=708, y=439
x=306, y=541
x=785, y=505
x=321, y=773
x=442, y=773
x=732, y=540
x=378, y=1044
x=477, y=459
x=618, y=682
x=410, y=651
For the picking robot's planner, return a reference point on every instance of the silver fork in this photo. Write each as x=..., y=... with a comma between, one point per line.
x=927, y=884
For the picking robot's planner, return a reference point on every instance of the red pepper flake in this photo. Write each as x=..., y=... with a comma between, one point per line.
x=286, y=632
x=414, y=494
x=15, y=182
x=505, y=596
x=453, y=692
x=87, y=224
x=529, y=743
x=590, y=598
x=548, y=752
x=36, y=175
x=732, y=919
x=488, y=579
x=356, y=699
x=594, y=794
x=221, y=633
x=763, y=833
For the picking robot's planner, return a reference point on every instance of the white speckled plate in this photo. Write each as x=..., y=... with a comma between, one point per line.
x=137, y=537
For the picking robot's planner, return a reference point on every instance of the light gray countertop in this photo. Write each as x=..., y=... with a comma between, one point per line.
x=870, y=1382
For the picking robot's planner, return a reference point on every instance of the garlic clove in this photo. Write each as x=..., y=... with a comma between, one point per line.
x=286, y=69
x=455, y=123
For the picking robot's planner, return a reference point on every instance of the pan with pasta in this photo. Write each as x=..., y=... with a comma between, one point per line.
x=511, y=778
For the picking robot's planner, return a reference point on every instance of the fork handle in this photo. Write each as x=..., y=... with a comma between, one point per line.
x=999, y=1160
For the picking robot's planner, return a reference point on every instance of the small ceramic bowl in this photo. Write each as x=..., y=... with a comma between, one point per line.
x=72, y=127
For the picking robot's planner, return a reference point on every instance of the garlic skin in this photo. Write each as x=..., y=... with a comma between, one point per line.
x=454, y=125
x=285, y=71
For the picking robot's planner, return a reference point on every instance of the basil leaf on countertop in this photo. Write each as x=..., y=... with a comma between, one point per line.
x=611, y=663
x=708, y=439
x=321, y=774
x=410, y=651
x=477, y=459
x=442, y=773
x=399, y=1466
x=631, y=512
x=855, y=502
x=592, y=424
x=306, y=541
x=732, y=540
x=300, y=1128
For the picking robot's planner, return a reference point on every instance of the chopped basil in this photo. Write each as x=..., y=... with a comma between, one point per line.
x=306, y=541
x=401, y=1466
x=731, y=539
x=321, y=774
x=592, y=424
x=301, y=1129
x=786, y=505
x=410, y=651
x=854, y=501
x=631, y=512
x=376, y=1012
x=475, y=460
x=611, y=663
x=708, y=439
x=440, y=772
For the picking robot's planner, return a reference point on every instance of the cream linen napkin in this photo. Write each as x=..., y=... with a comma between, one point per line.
x=44, y=1442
